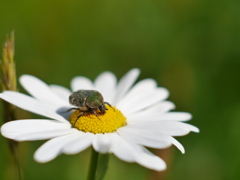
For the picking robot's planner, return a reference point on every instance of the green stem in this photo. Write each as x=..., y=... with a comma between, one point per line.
x=93, y=165
x=102, y=166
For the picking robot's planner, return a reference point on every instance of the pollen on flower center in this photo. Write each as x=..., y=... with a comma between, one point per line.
x=106, y=123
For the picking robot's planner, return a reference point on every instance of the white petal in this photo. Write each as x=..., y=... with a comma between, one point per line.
x=144, y=100
x=145, y=137
x=101, y=143
x=143, y=86
x=79, y=143
x=52, y=148
x=122, y=148
x=106, y=84
x=158, y=116
x=81, y=82
x=163, y=127
x=30, y=104
x=132, y=152
x=44, y=135
x=151, y=161
x=161, y=107
x=14, y=129
x=178, y=145
x=125, y=83
x=40, y=90
x=61, y=91
x=192, y=128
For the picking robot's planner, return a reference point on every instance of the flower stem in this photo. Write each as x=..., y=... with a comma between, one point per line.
x=102, y=166
x=93, y=165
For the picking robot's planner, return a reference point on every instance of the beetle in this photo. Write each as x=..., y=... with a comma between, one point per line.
x=88, y=101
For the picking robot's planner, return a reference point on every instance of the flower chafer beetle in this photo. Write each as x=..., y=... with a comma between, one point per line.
x=88, y=101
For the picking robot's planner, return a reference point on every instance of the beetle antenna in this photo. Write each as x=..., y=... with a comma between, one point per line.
x=109, y=105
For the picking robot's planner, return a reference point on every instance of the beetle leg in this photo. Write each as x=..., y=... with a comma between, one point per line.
x=109, y=105
x=72, y=109
x=94, y=112
x=80, y=114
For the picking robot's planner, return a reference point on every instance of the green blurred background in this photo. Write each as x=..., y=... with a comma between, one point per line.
x=191, y=47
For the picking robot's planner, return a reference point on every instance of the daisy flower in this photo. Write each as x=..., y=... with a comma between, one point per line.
x=139, y=117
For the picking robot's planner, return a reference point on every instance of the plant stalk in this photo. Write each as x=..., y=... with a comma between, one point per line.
x=93, y=165
x=8, y=82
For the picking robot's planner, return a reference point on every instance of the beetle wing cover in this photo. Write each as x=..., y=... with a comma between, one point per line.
x=94, y=100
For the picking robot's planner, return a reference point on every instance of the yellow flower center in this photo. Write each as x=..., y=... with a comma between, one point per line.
x=106, y=123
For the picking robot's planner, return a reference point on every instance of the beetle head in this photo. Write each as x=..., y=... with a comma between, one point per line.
x=102, y=108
